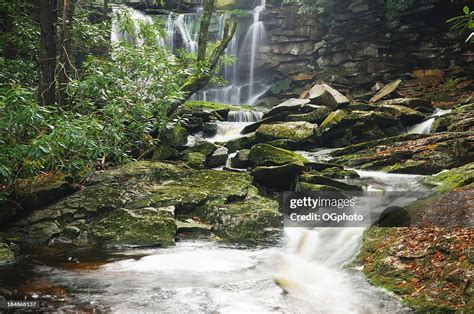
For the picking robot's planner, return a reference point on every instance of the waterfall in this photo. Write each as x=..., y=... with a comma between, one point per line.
x=182, y=31
x=257, y=33
x=425, y=126
x=244, y=116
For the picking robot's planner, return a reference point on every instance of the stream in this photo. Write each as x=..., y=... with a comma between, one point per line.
x=305, y=273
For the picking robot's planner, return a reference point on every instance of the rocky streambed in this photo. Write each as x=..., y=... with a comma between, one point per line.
x=198, y=225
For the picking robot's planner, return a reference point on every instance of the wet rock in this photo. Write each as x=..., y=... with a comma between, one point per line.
x=338, y=173
x=411, y=154
x=192, y=228
x=321, y=166
x=291, y=105
x=278, y=177
x=267, y=155
x=196, y=160
x=295, y=131
x=42, y=232
x=218, y=157
x=241, y=143
x=333, y=119
x=210, y=129
x=323, y=94
x=241, y=159
x=385, y=91
x=457, y=121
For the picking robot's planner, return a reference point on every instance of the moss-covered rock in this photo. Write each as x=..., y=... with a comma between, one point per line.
x=218, y=157
x=241, y=159
x=267, y=155
x=295, y=131
x=243, y=142
x=174, y=135
x=333, y=119
x=457, y=121
x=143, y=227
x=454, y=178
x=196, y=160
x=405, y=114
x=205, y=148
x=285, y=144
x=42, y=232
x=165, y=153
x=310, y=187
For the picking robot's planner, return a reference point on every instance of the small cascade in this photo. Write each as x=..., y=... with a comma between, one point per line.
x=244, y=116
x=232, y=128
x=426, y=126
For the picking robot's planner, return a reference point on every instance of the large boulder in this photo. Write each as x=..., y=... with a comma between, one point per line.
x=274, y=118
x=243, y=142
x=241, y=159
x=205, y=148
x=267, y=155
x=174, y=135
x=315, y=116
x=323, y=94
x=295, y=131
x=457, y=121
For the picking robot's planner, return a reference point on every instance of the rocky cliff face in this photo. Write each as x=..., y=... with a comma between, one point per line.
x=356, y=40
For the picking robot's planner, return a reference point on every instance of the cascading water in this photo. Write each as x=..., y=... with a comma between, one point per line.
x=232, y=128
x=426, y=126
x=257, y=33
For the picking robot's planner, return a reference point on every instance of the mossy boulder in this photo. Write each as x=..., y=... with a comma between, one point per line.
x=241, y=159
x=174, y=135
x=218, y=157
x=278, y=177
x=267, y=155
x=333, y=119
x=457, y=121
x=196, y=160
x=42, y=232
x=310, y=187
x=454, y=178
x=285, y=144
x=291, y=105
x=295, y=131
x=243, y=142
x=165, y=153
x=205, y=148
x=143, y=227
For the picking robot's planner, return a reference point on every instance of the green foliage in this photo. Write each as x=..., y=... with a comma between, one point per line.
x=464, y=23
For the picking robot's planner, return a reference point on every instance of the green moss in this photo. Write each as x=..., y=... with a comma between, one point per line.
x=205, y=105
x=196, y=160
x=146, y=228
x=454, y=178
x=333, y=119
x=267, y=155
x=6, y=255
x=295, y=131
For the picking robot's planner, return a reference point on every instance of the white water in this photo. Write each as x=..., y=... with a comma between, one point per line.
x=257, y=35
x=426, y=126
x=232, y=128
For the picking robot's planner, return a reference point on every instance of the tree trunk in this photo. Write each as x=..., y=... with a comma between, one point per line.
x=204, y=29
x=48, y=51
x=66, y=53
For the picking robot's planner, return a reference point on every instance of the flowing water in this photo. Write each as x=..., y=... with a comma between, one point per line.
x=232, y=128
x=426, y=126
